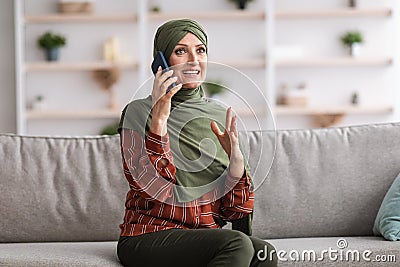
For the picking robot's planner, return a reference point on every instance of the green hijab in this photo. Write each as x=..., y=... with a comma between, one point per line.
x=200, y=161
x=170, y=33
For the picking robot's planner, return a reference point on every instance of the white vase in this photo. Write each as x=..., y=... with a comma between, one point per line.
x=355, y=49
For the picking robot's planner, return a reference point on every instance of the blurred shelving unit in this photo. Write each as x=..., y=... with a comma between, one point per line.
x=338, y=13
x=285, y=110
x=212, y=15
x=76, y=66
x=333, y=62
x=267, y=17
x=25, y=68
x=315, y=110
x=249, y=63
x=142, y=18
x=76, y=114
x=61, y=18
x=322, y=62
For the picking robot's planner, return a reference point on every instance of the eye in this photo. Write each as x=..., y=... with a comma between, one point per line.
x=201, y=50
x=180, y=51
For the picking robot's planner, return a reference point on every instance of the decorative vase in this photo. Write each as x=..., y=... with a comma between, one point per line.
x=75, y=7
x=242, y=4
x=52, y=54
x=355, y=49
x=352, y=3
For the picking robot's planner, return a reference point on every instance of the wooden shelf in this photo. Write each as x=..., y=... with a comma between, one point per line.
x=221, y=15
x=245, y=63
x=76, y=66
x=82, y=114
x=285, y=110
x=339, y=13
x=238, y=14
x=334, y=62
x=61, y=18
x=254, y=63
x=251, y=111
x=310, y=62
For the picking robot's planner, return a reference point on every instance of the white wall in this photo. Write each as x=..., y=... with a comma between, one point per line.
x=7, y=67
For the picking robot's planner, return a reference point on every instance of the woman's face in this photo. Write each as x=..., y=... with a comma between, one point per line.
x=189, y=59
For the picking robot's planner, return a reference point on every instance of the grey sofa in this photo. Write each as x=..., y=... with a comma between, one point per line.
x=62, y=197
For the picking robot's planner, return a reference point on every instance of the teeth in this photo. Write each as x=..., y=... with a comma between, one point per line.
x=191, y=72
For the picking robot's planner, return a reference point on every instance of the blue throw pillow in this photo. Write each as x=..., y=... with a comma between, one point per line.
x=387, y=222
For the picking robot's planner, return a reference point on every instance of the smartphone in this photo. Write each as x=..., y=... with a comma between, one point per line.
x=160, y=60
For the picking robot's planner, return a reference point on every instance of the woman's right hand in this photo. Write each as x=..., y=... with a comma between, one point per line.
x=161, y=101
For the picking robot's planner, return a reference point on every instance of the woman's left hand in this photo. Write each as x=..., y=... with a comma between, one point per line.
x=229, y=140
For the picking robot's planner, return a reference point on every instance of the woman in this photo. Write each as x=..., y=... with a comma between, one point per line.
x=186, y=175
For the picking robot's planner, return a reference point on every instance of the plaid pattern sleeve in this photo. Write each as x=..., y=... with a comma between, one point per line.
x=158, y=151
x=239, y=201
x=145, y=162
x=150, y=204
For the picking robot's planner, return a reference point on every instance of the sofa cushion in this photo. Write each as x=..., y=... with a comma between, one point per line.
x=60, y=188
x=324, y=182
x=377, y=245
x=59, y=254
x=387, y=222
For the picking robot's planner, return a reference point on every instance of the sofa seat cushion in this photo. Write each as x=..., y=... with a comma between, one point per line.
x=377, y=245
x=59, y=254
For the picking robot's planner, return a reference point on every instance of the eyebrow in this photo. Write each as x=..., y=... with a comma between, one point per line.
x=187, y=45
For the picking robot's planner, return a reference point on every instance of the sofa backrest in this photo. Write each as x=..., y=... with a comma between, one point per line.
x=324, y=182
x=60, y=189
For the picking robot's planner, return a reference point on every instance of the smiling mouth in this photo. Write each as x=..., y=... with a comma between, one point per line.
x=191, y=72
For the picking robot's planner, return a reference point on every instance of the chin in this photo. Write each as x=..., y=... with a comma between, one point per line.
x=191, y=85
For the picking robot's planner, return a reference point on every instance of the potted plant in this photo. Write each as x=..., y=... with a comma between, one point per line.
x=110, y=129
x=51, y=43
x=353, y=40
x=241, y=3
x=155, y=9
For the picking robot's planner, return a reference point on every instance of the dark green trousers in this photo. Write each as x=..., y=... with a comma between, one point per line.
x=200, y=247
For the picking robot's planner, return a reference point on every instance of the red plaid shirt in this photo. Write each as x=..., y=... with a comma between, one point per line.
x=149, y=169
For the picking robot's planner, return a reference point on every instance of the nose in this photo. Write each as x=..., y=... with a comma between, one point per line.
x=193, y=58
